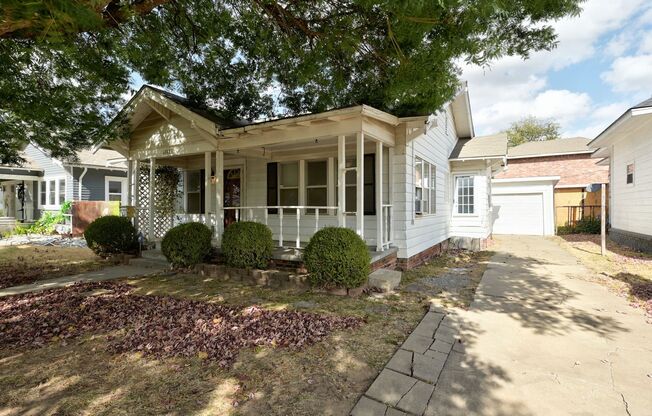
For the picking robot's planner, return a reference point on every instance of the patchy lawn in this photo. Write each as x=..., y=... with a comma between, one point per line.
x=21, y=265
x=623, y=270
x=129, y=349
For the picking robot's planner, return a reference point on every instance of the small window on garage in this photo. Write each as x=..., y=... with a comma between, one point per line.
x=630, y=173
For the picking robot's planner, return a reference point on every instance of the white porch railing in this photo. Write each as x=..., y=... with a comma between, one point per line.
x=293, y=216
x=387, y=230
x=247, y=213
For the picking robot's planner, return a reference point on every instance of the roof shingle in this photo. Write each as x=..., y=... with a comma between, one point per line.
x=480, y=147
x=551, y=147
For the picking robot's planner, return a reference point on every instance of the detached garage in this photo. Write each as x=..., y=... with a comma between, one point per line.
x=524, y=205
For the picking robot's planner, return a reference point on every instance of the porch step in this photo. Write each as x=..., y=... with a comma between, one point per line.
x=155, y=254
x=385, y=280
x=150, y=263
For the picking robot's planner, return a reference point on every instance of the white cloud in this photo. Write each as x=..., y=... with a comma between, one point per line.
x=630, y=73
x=598, y=119
x=513, y=88
x=646, y=43
x=561, y=105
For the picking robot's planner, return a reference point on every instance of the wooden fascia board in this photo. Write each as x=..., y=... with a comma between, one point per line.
x=173, y=150
x=298, y=134
x=160, y=109
x=379, y=131
x=303, y=121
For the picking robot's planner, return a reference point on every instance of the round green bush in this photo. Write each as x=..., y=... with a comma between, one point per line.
x=337, y=257
x=187, y=244
x=247, y=245
x=111, y=235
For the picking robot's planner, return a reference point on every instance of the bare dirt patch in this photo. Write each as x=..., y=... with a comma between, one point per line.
x=625, y=271
x=21, y=265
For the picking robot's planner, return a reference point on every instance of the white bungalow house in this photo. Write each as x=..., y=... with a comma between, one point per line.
x=626, y=147
x=406, y=185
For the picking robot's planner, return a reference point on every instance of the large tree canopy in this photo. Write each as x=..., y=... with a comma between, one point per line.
x=62, y=81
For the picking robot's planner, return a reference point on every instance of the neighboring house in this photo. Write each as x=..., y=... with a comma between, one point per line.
x=48, y=182
x=544, y=185
x=626, y=147
x=388, y=178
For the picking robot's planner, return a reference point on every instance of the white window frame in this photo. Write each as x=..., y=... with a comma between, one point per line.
x=44, y=184
x=123, y=188
x=307, y=187
x=456, y=194
x=428, y=186
x=282, y=187
x=633, y=165
x=186, y=191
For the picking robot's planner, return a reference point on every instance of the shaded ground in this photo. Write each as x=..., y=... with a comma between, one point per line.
x=624, y=270
x=82, y=375
x=21, y=265
x=540, y=339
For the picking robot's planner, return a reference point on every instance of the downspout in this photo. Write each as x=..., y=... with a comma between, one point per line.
x=81, y=178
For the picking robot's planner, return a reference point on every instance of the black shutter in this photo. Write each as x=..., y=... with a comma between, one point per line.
x=272, y=186
x=370, y=184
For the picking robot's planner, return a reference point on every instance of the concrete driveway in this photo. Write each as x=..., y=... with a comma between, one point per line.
x=540, y=340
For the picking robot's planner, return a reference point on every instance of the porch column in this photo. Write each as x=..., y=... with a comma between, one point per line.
x=359, y=181
x=136, y=192
x=341, y=177
x=219, y=193
x=150, y=199
x=390, y=192
x=379, y=196
x=330, y=198
x=130, y=178
x=208, y=161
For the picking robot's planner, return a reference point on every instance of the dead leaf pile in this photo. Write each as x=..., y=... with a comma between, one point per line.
x=160, y=326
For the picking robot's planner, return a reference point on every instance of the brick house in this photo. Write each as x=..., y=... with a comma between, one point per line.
x=568, y=163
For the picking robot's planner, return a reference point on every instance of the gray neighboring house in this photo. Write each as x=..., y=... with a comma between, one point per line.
x=44, y=183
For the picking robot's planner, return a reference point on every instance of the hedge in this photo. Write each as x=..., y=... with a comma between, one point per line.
x=247, y=245
x=337, y=257
x=187, y=244
x=111, y=235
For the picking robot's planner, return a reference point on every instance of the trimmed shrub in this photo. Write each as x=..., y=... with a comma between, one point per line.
x=111, y=235
x=247, y=245
x=337, y=257
x=187, y=244
x=588, y=225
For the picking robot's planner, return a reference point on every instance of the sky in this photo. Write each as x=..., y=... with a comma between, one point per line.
x=602, y=66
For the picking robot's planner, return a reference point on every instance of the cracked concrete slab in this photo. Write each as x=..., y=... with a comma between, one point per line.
x=390, y=387
x=541, y=339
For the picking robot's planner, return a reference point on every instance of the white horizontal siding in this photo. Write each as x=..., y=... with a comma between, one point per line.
x=631, y=204
x=418, y=233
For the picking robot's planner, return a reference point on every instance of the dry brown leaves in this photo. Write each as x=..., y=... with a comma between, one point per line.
x=160, y=326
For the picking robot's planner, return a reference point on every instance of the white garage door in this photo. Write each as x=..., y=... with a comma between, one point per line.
x=518, y=214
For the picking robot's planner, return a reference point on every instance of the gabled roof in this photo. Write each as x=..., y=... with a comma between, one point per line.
x=481, y=147
x=104, y=158
x=213, y=115
x=644, y=104
x=573, y=145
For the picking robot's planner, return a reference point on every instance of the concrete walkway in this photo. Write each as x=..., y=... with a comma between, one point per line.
x=108, y=273
x=540, y=340
x=537, y=340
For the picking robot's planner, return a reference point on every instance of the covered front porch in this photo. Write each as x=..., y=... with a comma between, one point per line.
x=296, y=175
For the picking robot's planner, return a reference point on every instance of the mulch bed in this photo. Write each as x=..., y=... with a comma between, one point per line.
x=160, y=326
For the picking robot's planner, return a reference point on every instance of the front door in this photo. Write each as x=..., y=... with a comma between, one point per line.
x=232, y=189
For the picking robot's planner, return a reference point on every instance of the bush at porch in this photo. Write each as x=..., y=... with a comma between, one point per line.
x=337, y=257
x=247, y=245
x=111, y=235
x=187, y=244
